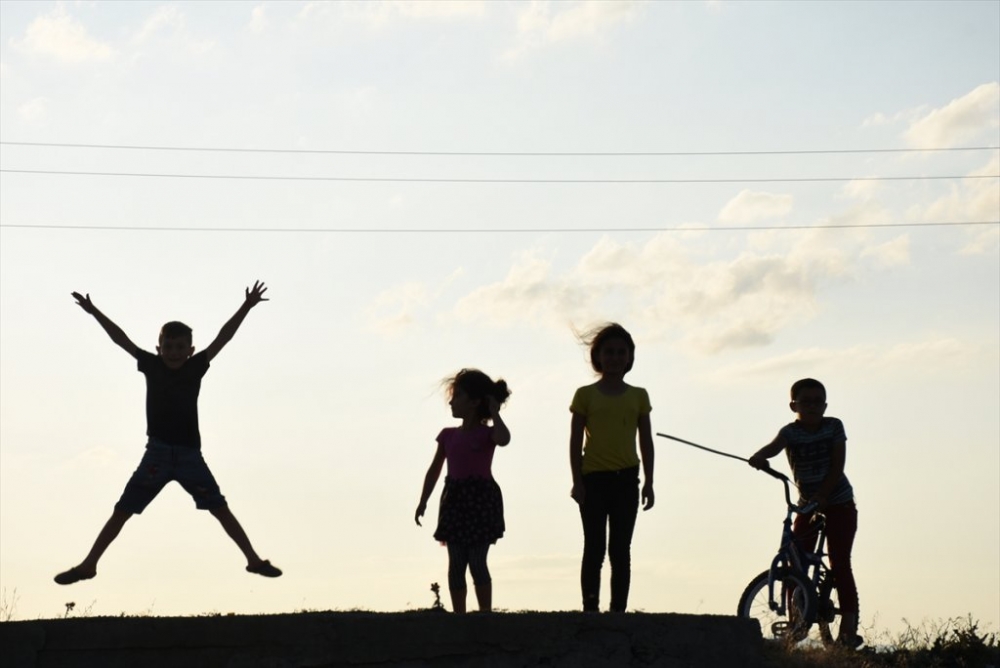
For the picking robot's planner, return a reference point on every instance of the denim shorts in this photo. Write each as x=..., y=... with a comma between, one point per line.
x=161, y=464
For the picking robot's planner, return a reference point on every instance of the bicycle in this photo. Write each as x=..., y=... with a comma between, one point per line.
x=798, y=590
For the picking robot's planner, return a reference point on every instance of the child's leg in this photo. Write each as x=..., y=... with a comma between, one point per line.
x=481, y=576
x=841, y=526
x=194, y=475
x=88, y=567
x=235, y=531
x=594, y=514
x=623, y=509
x=458, y=560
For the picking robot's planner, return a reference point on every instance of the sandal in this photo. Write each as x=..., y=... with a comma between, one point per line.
x=266, y=569
x=72, y=575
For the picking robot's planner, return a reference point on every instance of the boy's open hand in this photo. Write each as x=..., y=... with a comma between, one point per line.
x=83, y=301
x=255, y=295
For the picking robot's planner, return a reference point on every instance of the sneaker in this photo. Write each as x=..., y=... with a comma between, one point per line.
x=72, y=575
x=266, y=569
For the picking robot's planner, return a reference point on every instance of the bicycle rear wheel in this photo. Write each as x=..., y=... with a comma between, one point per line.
x=799, y=610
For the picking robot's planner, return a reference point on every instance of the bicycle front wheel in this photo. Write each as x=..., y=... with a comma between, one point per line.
x=828, y=611
x=799, y=609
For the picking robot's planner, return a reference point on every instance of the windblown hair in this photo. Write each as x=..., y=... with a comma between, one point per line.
x=807, y=384
x=176, y=330
x=477, y=385
x=598, y=336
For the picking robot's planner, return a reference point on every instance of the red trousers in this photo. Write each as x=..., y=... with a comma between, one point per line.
x=841, y=525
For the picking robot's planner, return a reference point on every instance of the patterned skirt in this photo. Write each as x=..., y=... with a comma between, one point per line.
x=471, y=512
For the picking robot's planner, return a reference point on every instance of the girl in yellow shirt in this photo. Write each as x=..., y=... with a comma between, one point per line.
x=607, y=415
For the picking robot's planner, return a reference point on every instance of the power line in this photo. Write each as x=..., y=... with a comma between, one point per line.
x=357, y=179
x=500, y=153
x=495, y=230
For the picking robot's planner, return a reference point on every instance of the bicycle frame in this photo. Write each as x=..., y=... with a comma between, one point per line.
x=790, y=555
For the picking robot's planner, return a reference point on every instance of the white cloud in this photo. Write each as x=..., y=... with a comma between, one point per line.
x=168, y=24
x=381, y=14
x=164, y=19
x=397, y=310
x=974, y=200
x=57, y=35
x=961, y=120
x=890, y=254
x=705, y=306
x=749, y=206
x=861, y=190
x=34, y=111
x=942, y=353
x=543, y=23
x=258, y=20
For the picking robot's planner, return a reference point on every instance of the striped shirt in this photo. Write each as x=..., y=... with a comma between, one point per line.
x=809, y=456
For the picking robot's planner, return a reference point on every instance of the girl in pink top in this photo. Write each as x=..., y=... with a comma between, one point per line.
x=470, y=518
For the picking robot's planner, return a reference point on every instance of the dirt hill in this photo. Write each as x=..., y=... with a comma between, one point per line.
x=386, y=640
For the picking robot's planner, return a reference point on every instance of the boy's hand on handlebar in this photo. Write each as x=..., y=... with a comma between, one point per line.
x=759, y=463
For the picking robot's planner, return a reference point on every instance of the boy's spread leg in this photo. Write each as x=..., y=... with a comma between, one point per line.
x=88, y=567
x=235, y=531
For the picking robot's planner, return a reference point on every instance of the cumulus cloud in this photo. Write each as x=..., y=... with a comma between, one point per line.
x=890, y=254
x=861, y=190
x=923, y=355
x=750, y=206
x=397, y=310
x=167, y=25
x=58, y=36
x=34, y=111
x=973, y=200
x=541, y=24
x=258, y=20
x=961, y=120
x=740, y=302
x=380, y=14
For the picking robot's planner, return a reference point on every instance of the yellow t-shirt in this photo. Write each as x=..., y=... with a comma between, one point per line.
x=612, y=422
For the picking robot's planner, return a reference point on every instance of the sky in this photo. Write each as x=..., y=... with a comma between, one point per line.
x=430, y=186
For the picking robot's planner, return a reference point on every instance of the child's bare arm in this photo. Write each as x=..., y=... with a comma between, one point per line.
x=254, y=296
x=499, y=433
x=759, y=459
x=576, y=429
x=646, y=450
x=113, y=330
x=433, y=473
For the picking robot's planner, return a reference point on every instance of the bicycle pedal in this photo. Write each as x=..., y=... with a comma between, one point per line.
x=779, y=629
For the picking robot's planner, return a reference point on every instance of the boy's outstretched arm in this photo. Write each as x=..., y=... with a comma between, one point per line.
x=113, y=330
x=254, y=296
x=759, y=459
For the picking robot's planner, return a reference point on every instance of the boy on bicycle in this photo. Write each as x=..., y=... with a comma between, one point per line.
x=816, y=450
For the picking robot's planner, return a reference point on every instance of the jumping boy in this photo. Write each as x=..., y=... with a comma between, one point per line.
x=816, y=447
x=173, y=450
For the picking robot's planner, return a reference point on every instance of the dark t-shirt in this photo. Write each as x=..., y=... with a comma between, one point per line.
x=810, y=454
x=172, y=398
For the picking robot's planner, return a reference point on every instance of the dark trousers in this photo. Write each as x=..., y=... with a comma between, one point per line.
x=608, y=511
x=841, y=526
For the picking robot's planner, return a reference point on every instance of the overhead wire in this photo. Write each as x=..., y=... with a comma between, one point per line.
x=495, y=230
x=500, y=153
x=407, y=179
